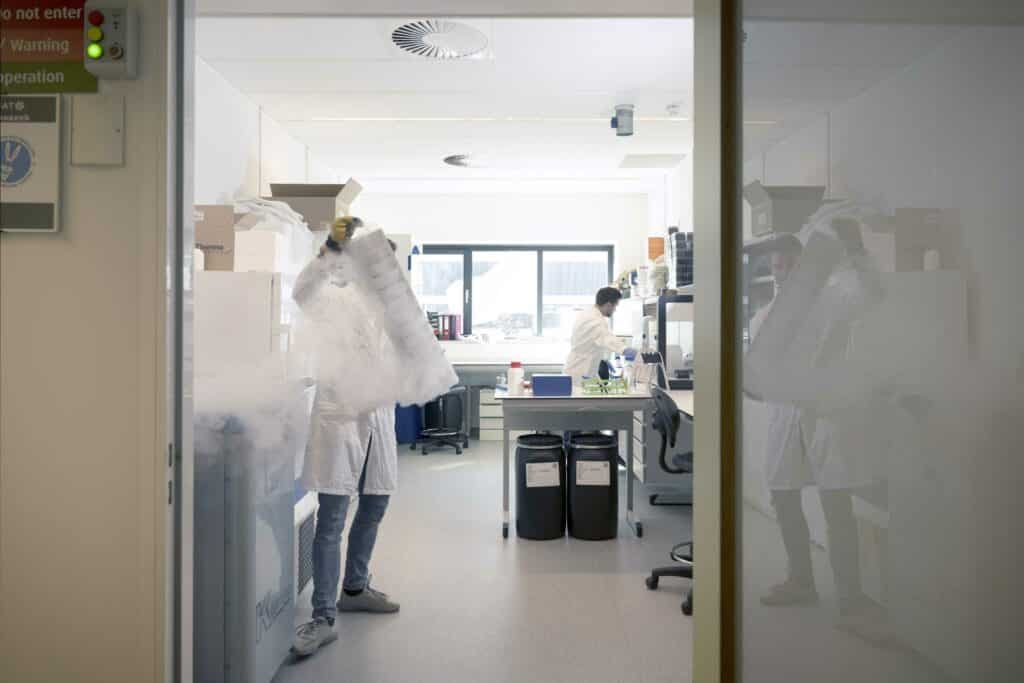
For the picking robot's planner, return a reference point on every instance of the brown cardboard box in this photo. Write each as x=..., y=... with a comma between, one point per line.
x=318, y=203
x=215, y=235
x=917, y=231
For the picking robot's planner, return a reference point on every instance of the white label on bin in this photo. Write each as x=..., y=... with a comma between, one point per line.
x=593, y=473
x=542, y=474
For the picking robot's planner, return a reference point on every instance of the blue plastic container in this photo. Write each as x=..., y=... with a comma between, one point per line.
x=407, y=423
x=552, y=385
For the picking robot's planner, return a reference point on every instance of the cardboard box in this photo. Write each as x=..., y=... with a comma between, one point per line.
x=918, y=231
x=215, y=235
x=318, y=203
x=780, y=208
x=655, y=247
x=260, y=251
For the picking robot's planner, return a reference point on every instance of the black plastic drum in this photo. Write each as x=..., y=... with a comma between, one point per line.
x=540, y=487
x=593, y=487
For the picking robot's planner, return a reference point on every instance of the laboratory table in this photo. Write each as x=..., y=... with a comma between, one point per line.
x=571, y=413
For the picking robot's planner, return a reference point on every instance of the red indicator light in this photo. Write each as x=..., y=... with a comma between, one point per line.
x=96, y=18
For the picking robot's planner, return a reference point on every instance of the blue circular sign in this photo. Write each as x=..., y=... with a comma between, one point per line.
x=16, y=161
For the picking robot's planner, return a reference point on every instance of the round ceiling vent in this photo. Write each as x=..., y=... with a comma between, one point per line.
x=439, y=39
x=460, y=160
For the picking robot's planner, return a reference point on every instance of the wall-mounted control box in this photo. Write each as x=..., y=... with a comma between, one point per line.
x=111, y=41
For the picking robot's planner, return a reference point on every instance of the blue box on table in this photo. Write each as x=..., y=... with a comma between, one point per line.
x=552, y=385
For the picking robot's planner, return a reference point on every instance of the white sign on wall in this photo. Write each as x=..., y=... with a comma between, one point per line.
x=30, y=163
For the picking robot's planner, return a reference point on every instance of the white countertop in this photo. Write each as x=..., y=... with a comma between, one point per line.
x=682, y=397
x=468, y=353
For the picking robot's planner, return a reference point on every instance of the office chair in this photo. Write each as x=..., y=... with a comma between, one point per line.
x=444, y=423
x=666, y=422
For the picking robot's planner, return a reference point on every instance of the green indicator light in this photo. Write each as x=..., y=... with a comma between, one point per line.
x=95, y=51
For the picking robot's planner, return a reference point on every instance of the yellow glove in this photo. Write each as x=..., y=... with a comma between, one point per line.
x=342, y=230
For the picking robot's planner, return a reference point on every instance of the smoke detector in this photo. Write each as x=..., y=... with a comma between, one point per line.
x=440, y=39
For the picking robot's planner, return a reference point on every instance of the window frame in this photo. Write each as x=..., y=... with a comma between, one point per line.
x=466, y=251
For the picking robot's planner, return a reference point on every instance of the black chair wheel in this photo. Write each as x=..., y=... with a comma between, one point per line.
x=504, y=532
x=639, y=530
x=687, y=606
x=412, y=446
x=465, y=444
x=652, y=583
x=458, y=450
x=424, y=451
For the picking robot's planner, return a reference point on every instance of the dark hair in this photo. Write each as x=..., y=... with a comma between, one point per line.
x=608, y=295
x=787, y=244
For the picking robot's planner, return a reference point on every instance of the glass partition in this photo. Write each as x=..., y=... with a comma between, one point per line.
x=883, y=370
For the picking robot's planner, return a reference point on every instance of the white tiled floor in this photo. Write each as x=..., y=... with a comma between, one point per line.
x=477, y=608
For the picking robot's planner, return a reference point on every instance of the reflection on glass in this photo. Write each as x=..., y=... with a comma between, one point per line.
x=883, y=377
x=438, y=282
x=571, y=281
x=505, y=293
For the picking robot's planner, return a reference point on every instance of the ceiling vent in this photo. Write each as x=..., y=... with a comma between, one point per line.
x=440, y=39
x=460, y=160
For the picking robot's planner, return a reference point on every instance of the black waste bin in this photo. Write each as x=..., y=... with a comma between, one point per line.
x=540, y=487
x=593, y=487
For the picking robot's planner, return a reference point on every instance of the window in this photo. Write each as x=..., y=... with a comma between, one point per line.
x=504, y=293
x=438, y=281
x=571, y=279
x=512, y=291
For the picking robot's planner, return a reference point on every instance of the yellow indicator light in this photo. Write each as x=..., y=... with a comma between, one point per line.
x=95, y=34
x=95, y=51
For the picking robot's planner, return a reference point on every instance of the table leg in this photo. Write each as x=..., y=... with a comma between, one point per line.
x=631, y=518
x=504, y=482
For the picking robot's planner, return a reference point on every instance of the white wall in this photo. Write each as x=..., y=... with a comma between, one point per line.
x=282, y=157
x=239, y=149
x=617, y=219
x=83, y=401
x=227, y=140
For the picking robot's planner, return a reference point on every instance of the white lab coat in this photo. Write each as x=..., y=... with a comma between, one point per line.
x=337, y=449
x=592, y=341
x=785, y=461
x=845, y=447
x=337, y=453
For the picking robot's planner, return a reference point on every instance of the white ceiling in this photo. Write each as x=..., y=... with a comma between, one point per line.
x=538, y=105
x=540, y=102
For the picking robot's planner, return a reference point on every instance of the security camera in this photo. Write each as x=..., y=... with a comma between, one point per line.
x=623, y=120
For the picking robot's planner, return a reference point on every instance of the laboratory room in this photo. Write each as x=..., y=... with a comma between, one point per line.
x=443, y=349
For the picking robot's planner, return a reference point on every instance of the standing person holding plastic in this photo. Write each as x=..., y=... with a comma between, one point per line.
x=592, y=337
x=344, y=458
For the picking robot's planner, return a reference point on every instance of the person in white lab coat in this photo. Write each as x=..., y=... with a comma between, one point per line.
x=344, y=458
x=592, y=338
x=801, y=445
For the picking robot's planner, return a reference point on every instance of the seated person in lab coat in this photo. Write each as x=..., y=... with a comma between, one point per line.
x=344, y=459
x=592, y=338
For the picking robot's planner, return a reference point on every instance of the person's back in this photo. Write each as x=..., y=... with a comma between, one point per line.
x=592, y=338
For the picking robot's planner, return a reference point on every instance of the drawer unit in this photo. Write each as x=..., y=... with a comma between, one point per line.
x=491, y=423
x=490, y=410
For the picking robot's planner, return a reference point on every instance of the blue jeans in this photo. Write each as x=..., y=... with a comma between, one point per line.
x=330, y=523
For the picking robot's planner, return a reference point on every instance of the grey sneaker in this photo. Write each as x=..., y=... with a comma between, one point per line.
x=313, y=635
x=370, y=600
x=790, y=594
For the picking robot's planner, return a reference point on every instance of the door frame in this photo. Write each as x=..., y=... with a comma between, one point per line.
x=716, y=182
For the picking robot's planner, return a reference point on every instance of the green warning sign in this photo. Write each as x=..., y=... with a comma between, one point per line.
x=42, y=47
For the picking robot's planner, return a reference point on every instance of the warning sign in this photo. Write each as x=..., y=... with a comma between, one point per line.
x=41, y=47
